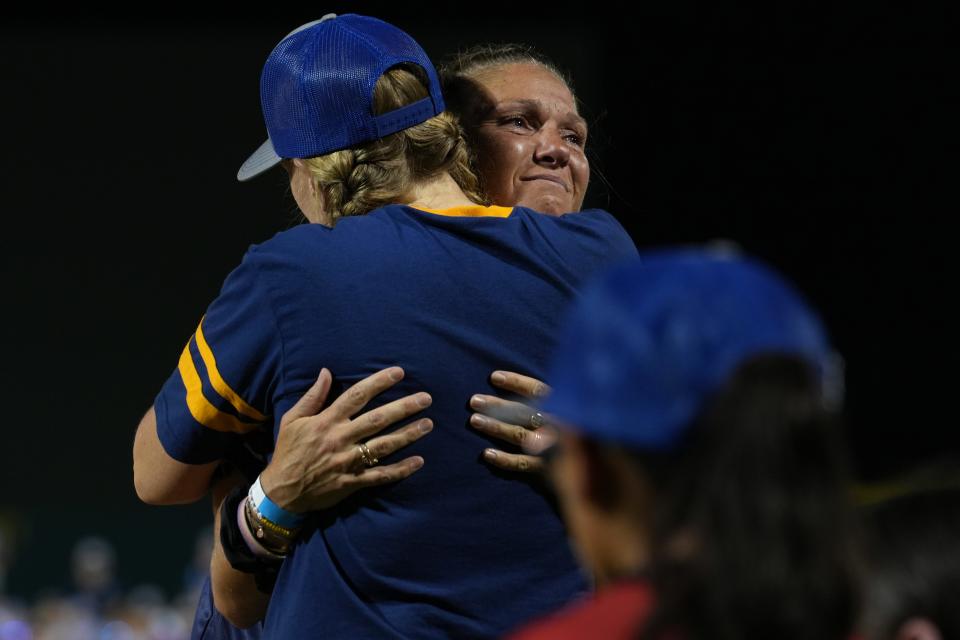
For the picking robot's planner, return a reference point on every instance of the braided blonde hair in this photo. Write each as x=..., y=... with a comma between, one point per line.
x=358, y=180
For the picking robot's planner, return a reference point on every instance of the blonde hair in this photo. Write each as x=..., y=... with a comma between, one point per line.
x=357, y=180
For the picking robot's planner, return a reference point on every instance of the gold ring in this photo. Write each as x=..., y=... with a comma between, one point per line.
x=366, y=456
x=537, y=420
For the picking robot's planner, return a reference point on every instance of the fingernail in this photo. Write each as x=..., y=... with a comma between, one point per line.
x=417, y=463
x=396, y=374
x=489, y=454
x=479, y=420
x=477, y=402
x=498, y=377
x=424, y=399
x=425, y=426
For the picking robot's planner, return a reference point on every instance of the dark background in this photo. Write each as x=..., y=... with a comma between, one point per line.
x=816, y=140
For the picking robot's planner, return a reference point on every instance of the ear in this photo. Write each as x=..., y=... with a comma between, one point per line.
x=918, y=629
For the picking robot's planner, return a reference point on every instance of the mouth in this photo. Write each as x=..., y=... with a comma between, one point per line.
x=548, y=178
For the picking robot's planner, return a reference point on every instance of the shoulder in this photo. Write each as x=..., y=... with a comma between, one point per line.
x=586, y=219
x=306, y=236
x=597, y=218
x=595, y=231
x=292, y=239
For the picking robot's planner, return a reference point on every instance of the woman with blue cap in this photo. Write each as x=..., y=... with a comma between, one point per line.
x=426, y=278
x=697, y=458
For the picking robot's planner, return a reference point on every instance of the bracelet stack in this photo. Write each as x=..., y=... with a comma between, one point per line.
x=274, y=528
x=240, y=548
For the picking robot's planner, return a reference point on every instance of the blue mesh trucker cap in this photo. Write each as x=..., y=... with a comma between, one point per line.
x=316, y=89
x=648, y=343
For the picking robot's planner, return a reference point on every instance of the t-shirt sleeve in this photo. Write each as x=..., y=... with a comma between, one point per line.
x=226, y=374
x=597, y=238
x=620, y=246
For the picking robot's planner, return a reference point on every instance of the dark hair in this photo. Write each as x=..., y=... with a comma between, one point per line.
x=760, y=487
x=913, y=560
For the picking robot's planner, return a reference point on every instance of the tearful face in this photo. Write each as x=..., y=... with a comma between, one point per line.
x=530, y=139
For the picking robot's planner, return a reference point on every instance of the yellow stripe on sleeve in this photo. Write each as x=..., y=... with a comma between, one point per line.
x=220, y=384
x=200, y=408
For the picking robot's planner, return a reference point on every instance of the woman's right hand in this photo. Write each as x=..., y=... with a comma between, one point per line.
x=318, y=461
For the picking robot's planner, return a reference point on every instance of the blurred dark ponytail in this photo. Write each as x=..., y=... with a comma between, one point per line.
x=758, y=500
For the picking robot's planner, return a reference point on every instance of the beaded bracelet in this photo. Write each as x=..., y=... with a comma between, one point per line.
x=272, y=538
x=282, y=520
x=254, y=545
x=239, y=546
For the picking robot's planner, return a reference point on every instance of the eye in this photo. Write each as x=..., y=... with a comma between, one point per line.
x=516, y=122
x=574, y=139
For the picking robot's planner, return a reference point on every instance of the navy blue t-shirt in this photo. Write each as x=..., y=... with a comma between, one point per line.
x=459, y=549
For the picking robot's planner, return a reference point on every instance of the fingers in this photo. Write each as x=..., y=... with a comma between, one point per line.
x=382, y=474
x=376, y=420
x=506, y=410
x=383, y=446
x=514, y=461
x=521, y=385
x=502, y=430
x=545, y=438
x=312, y=401
x=356, y=397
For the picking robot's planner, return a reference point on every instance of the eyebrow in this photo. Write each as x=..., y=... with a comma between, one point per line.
x=537, y=105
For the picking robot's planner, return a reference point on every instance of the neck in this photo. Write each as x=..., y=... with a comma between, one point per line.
x=440, y=193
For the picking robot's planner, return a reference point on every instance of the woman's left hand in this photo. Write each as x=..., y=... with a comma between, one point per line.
x=513, y=422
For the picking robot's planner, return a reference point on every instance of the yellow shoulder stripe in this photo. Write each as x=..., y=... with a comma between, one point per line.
x=220, y=384
x=200, y=408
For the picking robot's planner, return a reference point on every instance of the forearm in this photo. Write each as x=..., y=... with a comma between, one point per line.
x=161, y=479
x=235, y=594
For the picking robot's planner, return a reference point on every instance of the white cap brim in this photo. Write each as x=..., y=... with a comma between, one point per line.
x=265, y=157
x=262, y=159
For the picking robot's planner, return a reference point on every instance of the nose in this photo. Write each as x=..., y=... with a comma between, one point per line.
x=551, y=150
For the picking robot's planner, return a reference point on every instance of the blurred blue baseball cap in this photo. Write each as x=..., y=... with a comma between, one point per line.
x=649, y=342
x=316, y=89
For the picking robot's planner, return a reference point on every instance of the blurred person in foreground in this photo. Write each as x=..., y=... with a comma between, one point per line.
x=697, y=458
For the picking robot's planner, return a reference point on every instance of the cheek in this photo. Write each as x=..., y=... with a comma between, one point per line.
x=575, y=518
x=300, y=194
x=580, y=167
x=500, y=157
